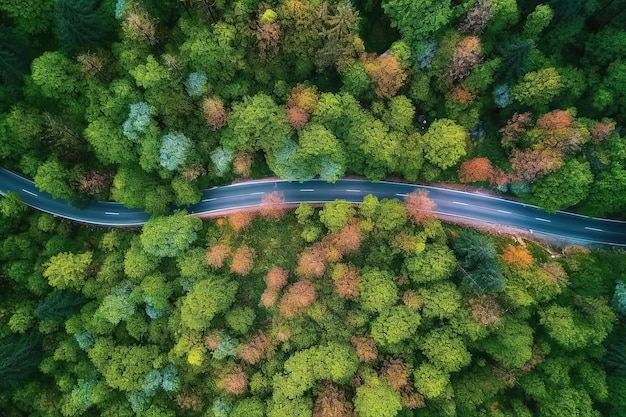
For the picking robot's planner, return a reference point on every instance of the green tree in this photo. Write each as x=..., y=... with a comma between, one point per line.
x=511, y=344
x=255, y=124
x=445, y=349
x=480, y=269
x=375, y=398
x=444, y=143
x=208, y=297
x=435, y=263
x=58, y=305
x=79, y=24
x=538, y=88
x=68, y=270
x=441, y=300
x=56, y=75
x=395, y=325
x=378, y=291
x=19, y=358
x=563, y=188
x=171, y=235
x=11, y=205
x=537, y=21
x=418, y=20
x=335, y=215
x=430, y=380
x=15, y=57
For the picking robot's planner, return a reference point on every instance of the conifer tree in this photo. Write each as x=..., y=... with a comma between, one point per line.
x=79, y=24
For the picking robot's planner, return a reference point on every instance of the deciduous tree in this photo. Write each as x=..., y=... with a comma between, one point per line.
x=467, y=54
x=297, y=298
x=207, y=298
x=169, y=236
x=444, y=143
x=215, y=113
x=243, y=260
x=476, y=169
x=419, y=206
x=517, y=256
x=273, y=205
x=375, y=398
x=386, y=74
x=68, y=270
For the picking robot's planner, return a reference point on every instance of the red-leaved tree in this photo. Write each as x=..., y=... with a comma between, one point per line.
x=234, y=382
x=297, y=298
x=419, y=206
x=332, y=402
x=240, y=220
x=477, y=169
x=217, y=254
x=312, y=262
x=385, y=72
x=214, y=113
x=259, y=346
x=515, y=128
x=529, y=163
x=243, y=260
x=273, y=205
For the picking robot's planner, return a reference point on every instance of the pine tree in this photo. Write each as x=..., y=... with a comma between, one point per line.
x=19, y=358
x=79, y=24
x=514, y=55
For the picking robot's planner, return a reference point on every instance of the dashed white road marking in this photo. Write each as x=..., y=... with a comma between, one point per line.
x=353, y=191
x=208, y=199
x=503, y=211
x=401, y=194
x=543, y=220
x=594, y=229
x=257, y=193
x=307, y=190
x=459, y=203
x=111, y=213
x=30, y=192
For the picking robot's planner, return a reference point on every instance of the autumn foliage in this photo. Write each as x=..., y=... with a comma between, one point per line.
x=529, y=163
x=190, y=400
x=485, y=309
x=557, y=119
x=214, y=113
x=242, y=164
x=273, y=205
x=297, y=118
x=515, y=128
x=260, y=346
x=466, y=55
x=331, y=402
x=269, y=35
x=365, y=347
x=216, y=255
x=240, y=219
x=461, y=94
x=477, y=18
x=346, y=281
x=419, y=206
x=602, y=131
x=243, y=260
x=385, y=72
x=234, y=382
x=348, y=240
x=396, y=372
x=477, y=169
x=312, y=262
x=297, y=298
x=275, y=279
x=517, y=256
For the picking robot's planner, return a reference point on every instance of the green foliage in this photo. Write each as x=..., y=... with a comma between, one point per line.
x=79, y=24
x=378, y=290
x=375, y=398
x=335, y=215
x=68, y=270
x=479, y=266
x=445, y=349
x=538, y=88
x=444, y=143
x=171, y=235
x=19, y=358
x=435, y=263
x=205, y=300
x=395, y=325
x=418, y=20
x=563, y=188
x=174, y=150
x=58, y=305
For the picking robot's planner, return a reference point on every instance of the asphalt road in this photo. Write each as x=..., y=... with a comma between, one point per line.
x=583, y=229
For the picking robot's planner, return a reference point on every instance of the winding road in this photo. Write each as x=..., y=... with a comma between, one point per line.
x=582, y=229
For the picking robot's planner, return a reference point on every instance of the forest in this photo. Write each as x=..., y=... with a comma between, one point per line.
x=379, y=310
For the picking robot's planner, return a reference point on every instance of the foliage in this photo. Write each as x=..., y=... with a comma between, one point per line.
x=174, y=150
x=169, y=236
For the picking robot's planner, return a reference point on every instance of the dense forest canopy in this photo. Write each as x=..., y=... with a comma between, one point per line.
x=321, y=311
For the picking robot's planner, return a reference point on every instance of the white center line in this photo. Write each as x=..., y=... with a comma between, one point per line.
x=259, y=193
x=307, y=190
x=29, y=192
x=208, y=199
x=401, y=194
x=111, y=213
x=503, y=211
x=353, y=191
x=542, y=220
x=459, y=203
x=594, y=229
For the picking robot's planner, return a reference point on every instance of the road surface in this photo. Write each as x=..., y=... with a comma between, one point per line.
x=582, y=229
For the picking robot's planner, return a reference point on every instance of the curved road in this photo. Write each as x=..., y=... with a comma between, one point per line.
x=583, y=229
